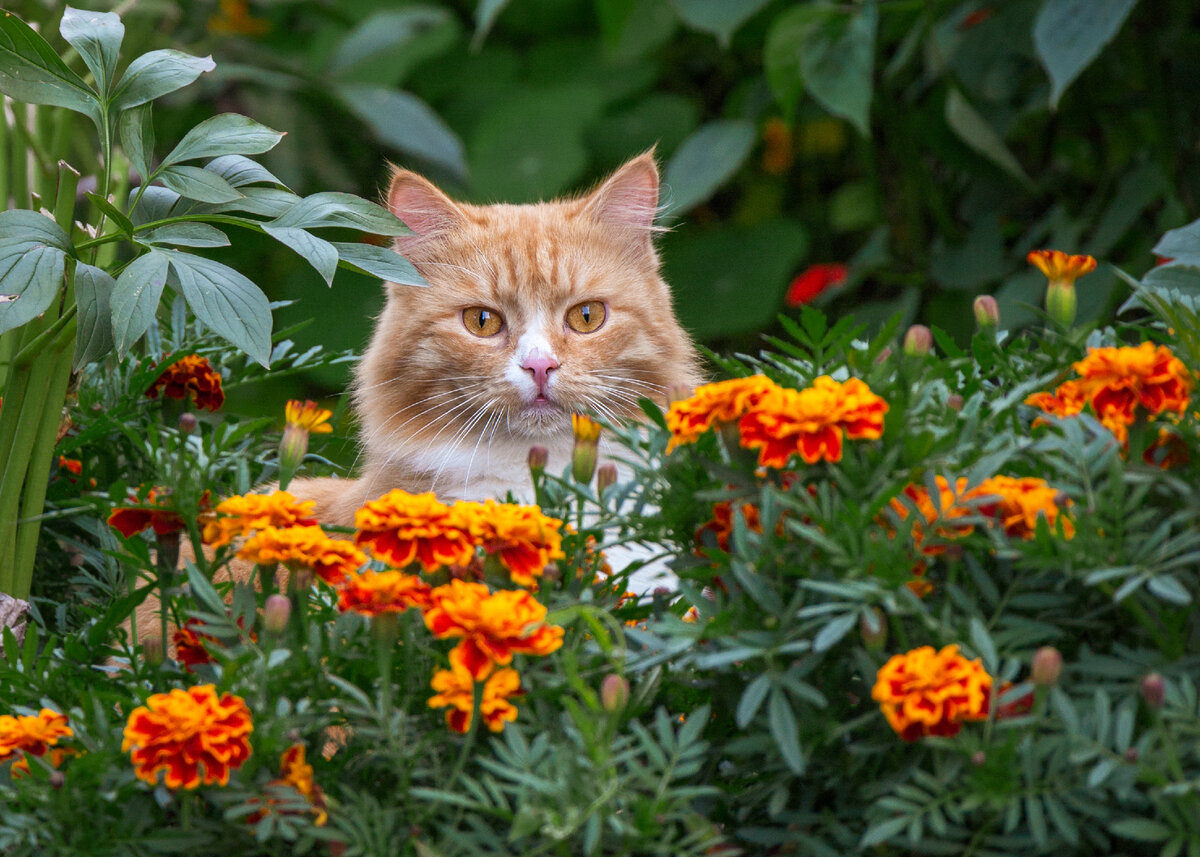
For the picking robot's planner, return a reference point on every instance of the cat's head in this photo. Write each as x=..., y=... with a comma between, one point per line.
x=532, y=312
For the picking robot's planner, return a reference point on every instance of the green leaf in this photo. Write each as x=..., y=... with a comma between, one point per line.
x=834, y=630
x=239, y=171
x=381, y=33
x=981, y=641
x=705, y=161
x=1168, y=588
x=112, y=212
x=318, y=252
x=97, y=36
x=485, y=16
x=752, y=700
x=93, y=337
x=224, y=134
x=1141, y=830
x=977, y=133
x=1069, y=34
x=782, y=722
x=135, y=299
x=783, y=53
x=719, y=17
x=881, y=831
x=137, y=139
x=157, y=73
x=342, y=209
x=405, y=122
x=225, y=301
x=1181, y=245
x=263, y=201
x=185, y=235
x=837, y=62
x=382, y=262
x=31, y=71
x=33, y=252
x=198, y=184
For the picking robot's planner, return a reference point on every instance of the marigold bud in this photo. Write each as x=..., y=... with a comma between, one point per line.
x=1132, y=755
x=614, y=692
x=276, y=612
x=1154, y=690
x=978, y=758
x=873, y=627
x=538, y=456
x=606, y=477
x=587, y=444
x=918, y=341
x=57, y=779
x=1061, y=302
x=1047, y=666
x=987, y=312
x=292, y=450
x=954, y=402
x=187, y=422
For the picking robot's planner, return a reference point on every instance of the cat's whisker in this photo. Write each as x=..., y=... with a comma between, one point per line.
x=459, y=436
x=493, y=419
x=393, y=430
x=399, y=379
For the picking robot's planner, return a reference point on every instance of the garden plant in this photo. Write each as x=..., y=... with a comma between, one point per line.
x=937, y=592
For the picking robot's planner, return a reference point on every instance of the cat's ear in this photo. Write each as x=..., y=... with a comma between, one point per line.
x=423, y=208
x=628, y=199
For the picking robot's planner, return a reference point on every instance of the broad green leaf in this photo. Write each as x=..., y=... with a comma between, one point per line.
x=188, y=234
x=198, y=184
x=97, y=36
x=719, y=17
x=978, y=133
x=318, y=252
x=1141, y=830
x=224, y=134
x=157, y=73
x=705, y=161
x=31, y=71
x=135, y=299
x=783, y=52
x=782, y=722
x=383, y=33
x=341, y=209
x=263, y=201
x=94, y=334
x=752, y=700
x=240, y=171
x=225, y=301
x=486, y=12
x=1181, y=245
x=112, y=212
x=405, y=122
x=33, y=252
x=382, y=262
x=157, y=203
x=837, y=63
x=1069, y=34
x=137, y=139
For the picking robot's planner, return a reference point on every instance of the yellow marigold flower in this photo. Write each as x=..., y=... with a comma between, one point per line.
x=310, y=547
x=31, y=734
x=242, y=515
x=493, y=625
x=524, y=539
x=722, y=402
x=924, y=692
x=456, y=689
x=1021, y=501
x=190, y=377
x=400, y=528
x=1117, y=380
x=308, y=415
x=1059, y=266
x=585, y=428
x=193, y=735
x=372, y=593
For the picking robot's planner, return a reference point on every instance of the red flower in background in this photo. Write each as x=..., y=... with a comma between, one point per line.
x=815, y=280
x=191, y=377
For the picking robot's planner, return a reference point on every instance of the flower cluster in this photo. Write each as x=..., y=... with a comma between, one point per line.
x=923, y=692
x=33, y=735
x=190, y=377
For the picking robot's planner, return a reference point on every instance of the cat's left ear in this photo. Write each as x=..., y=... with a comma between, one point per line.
x=628, y=199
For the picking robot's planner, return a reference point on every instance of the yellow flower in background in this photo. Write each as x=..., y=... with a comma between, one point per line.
x=31, y=733
x=242, y=515
x=456, y=689
x=330, y=559
x=1021, y=501
x=585, y=452
x=923, y=692
x=1062, y=270
x=308, y=415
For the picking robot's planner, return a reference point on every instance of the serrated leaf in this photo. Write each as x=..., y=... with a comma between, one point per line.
x=405, y=122
x=318, y=252
x=341, y=209
x=155, y=74
x=224, y=134
x=187, y=234
x=782, y=722
x=225, y=301
x=97, y=36
x=94, y=334
x=382, y=262
x=1069, y=34
x=239, y=170
x=198, y=184
x=137, y=138
x=705, y=161
x=135, y=299
x=722, y=18
x=33, y=254
x=978, y=133
x=31, y=71
x=837, y=63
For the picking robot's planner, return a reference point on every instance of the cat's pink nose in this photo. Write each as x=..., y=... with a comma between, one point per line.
x=539, y=365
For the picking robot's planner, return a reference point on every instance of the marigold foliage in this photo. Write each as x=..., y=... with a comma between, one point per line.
x=304, y=546
x=240, y=516
x=923, y=692
x=372, y=593
x=456, y=689
x=190, y=377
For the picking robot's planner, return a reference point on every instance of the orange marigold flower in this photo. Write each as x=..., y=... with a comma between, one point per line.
x=923, y=692
x=456, y=689
x=721, y=525
x=400, y=528
x=524, y=539
x=190, y=377
x=71, y=465
x=1060, y=266
x=947, y=507
x=919, y=586
x=189, y=644
x=1168, y=450
x=32, y=734
x=1021, y=501
x=722, y=402
x=1067, y=400
x=309, y=416
x=310, y=547
x=58, y=755
x=155, y=511
x=193, y=735
x=234, y=19
x=242, y=515
x=493, y=625
x=1117, y=380
x=372, y=593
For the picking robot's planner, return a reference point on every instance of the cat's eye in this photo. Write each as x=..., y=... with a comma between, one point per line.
x=482, y=321
x=586, y=317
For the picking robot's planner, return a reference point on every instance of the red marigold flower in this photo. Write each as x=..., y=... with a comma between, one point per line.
x=721, y=525
x=71, y=465
x=524, y=539
x=923, y=692
x=493, y=625
x=155, y=511
x=189, y=645
x=456, y=689
x=400, y=528
x=814, y=281
x=32, y=734
x=304, y=546
x=372, y=593
x=190, y=377
x=1117, y=380
x=722, y=402
x=193, y=735
x=296, y=773
x=243, y=515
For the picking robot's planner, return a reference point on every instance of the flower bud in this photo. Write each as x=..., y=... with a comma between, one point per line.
x=1060, y=302
x=987, y=312
x=1047, y=666
x=303, y=418
x=978, y=758
x=873, y=627
x=614, y=693
x=57, y=779
x=587, y=444
x=538, y=456
x=918, y=341
x=152, y=650
x=1154, y=690
x=1132, y=755
x=276, y=612
x=606, y=477
x=954, y=402
x=187, y=422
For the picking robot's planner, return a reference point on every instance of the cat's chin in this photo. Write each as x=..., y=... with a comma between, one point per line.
x=540, y=419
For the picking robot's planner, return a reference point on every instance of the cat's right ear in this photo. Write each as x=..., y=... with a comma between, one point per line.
x=423, y=208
